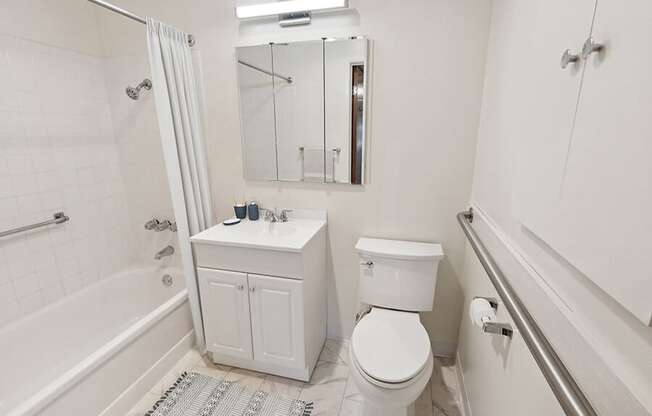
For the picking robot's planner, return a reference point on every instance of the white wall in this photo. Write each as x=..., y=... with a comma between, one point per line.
x=57, y=153
x=607, y=349
x=428, y=65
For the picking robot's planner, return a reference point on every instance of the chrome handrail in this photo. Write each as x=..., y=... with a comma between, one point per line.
x=563, y=385
x=57, y=218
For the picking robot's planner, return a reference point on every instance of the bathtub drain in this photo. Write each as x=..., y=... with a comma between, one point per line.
x=167, y=280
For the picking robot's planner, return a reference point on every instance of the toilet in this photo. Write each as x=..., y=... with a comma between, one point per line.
x=390, y=355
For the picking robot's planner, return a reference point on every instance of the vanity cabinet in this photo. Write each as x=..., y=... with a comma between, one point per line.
x=277, y=320
x=263, y=295
x=253, y=316
x=225, y=309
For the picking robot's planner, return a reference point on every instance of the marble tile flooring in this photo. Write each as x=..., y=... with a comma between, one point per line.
x=330, y=388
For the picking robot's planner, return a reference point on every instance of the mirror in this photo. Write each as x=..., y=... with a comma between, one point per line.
x=303, y=110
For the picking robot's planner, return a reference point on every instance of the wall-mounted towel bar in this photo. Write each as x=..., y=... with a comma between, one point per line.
x=57, y=218
x=570, y=396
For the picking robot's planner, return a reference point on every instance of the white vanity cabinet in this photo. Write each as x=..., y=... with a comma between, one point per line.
x=263, y=294
x=225, y=309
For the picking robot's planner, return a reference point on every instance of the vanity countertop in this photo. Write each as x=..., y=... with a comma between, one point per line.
x=281, y=236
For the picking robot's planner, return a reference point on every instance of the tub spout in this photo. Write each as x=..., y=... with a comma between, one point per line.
x=167, y=251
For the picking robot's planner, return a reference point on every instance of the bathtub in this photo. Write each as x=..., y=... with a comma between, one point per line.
x=88, y=353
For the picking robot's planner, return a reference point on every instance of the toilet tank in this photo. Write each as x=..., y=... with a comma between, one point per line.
x=398, y=274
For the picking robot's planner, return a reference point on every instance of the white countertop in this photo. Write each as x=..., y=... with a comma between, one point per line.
x=282, y=236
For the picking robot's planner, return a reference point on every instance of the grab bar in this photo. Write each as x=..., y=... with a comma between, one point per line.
x=563, y=385
x=57, y=218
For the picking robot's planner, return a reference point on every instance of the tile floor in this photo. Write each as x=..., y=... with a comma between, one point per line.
x=331, y=388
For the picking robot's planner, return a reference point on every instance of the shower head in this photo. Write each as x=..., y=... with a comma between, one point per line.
x=134, y=93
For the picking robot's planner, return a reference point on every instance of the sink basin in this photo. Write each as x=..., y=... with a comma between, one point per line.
x=260, y=228
x=284, y=236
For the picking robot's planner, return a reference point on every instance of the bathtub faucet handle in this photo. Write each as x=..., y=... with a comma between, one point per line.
x=151, y=224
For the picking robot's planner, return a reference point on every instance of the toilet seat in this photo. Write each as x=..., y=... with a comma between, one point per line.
x=391, y=347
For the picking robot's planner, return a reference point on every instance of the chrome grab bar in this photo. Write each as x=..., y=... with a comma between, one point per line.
x=563, y=385
x=57, y=218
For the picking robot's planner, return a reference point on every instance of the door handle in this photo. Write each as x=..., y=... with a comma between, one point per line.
x=568, y=58
x=591, y=46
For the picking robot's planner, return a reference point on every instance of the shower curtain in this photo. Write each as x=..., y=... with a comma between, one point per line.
x=177, y=98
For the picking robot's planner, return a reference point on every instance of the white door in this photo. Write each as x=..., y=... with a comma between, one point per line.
x=604, y=225
x=548, y=111
x=225, y=309
x=277, y=320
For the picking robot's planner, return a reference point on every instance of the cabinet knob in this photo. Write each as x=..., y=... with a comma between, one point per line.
x=240, y=287
x=567, y=58
x=252, y=289
x=369, y=264
x=591, y=46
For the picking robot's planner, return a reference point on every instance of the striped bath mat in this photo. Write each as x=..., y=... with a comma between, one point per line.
x=195, y=394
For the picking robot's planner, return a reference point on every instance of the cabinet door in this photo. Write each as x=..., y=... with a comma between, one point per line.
x=225, y=309
x=548, y=112
x=277, y=320
x=604, y=225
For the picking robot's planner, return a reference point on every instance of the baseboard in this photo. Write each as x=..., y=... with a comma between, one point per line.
x=121, y=405
x=462, y=397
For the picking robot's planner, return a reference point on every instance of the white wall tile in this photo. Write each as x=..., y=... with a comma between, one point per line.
x=57, y=152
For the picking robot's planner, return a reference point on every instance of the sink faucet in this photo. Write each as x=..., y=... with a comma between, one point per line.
x=275, y=216
x=166, y=252
x=283, y=216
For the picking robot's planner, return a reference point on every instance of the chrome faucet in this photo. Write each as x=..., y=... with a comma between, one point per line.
x=151, y=224
x=275, y=216
x=158, y=226
x=166, y=252
x=283, y=216
x=271, y=215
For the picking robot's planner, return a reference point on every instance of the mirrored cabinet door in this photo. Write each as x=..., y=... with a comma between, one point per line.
x=256, y=85
x=303, y=108
x=344, y=72
x=299, y=110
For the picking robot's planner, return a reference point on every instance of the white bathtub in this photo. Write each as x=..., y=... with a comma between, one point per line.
x=77, y=356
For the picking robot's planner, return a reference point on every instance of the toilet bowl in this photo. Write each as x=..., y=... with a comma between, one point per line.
x=390, y=354
x=391, y=361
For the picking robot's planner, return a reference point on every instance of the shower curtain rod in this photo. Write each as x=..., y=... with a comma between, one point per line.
x=289, y=80
x=132, y=16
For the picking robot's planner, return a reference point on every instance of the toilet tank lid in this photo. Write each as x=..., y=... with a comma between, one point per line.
x=398, y=249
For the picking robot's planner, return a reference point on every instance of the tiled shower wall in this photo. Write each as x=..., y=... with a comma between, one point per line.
x=57, y=153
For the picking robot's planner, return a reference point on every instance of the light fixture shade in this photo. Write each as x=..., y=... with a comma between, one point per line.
x=285, y=7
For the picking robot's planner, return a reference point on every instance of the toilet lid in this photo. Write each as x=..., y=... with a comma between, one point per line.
x=391, y=346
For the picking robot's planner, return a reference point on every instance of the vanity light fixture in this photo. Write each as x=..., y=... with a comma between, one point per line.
x=290, y=12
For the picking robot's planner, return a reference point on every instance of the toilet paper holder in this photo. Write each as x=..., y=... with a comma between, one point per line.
x=491, y=327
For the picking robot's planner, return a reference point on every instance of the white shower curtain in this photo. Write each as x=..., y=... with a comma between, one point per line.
x=178, y=109
x=177, y=100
